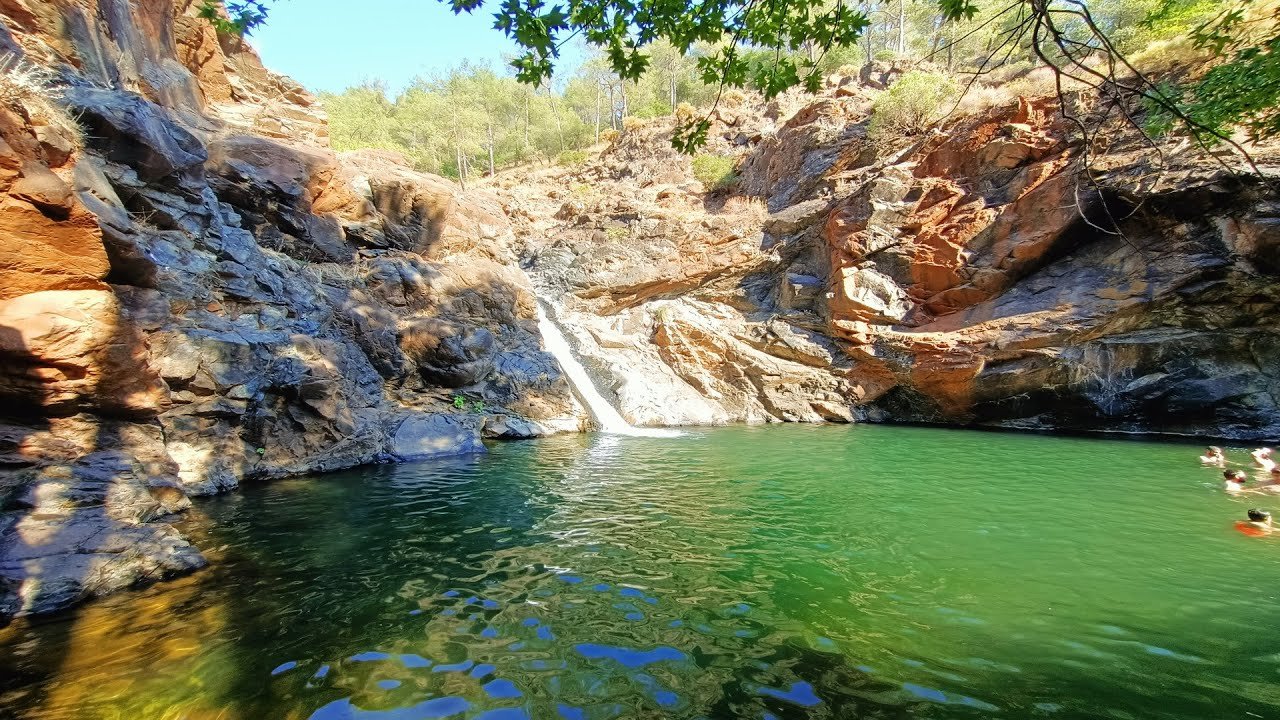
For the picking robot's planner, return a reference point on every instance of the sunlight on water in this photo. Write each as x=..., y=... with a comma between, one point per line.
x=782, y=572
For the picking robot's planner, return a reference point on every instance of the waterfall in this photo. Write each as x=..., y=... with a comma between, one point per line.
x=609, y=419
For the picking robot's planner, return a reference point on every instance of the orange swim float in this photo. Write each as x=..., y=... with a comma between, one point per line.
x=1248, y=529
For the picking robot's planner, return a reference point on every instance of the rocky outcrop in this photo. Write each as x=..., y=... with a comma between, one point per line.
x=983, y=275
x=667, y=293
x=191, y=301
x=984, y=280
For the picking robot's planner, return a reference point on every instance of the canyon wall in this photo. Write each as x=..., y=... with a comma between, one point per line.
x=196, y=291
x=982, y=275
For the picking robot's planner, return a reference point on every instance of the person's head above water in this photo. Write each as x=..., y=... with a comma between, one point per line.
x=1215, y=450
x=1256, y=515
x=1234, y=475
x=1262, y=452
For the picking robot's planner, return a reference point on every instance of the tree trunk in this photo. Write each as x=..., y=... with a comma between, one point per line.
x=597, y=111
x=613, y=113
x=491, y=168
x=951, y=47
x=673, y=88
x=902, y=27
x=622, y=88
x=555, y=110
x=526, y=123
x=462, y=168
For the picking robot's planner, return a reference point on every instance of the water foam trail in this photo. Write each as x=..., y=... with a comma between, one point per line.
x=609, y=419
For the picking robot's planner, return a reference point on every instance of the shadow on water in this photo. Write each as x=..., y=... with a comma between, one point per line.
x=339, y=578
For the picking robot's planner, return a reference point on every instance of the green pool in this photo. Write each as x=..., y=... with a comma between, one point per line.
x=780, y=572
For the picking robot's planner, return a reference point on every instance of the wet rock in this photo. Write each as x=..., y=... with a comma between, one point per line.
x=508, y=427
x=47, y=564
x=80, y=501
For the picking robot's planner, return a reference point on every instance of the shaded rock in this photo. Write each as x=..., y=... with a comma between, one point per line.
x=418, y=436
x=47, y=564
x=449, y=354
x=74, y=496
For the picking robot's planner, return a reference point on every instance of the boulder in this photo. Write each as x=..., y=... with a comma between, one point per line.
x=131, y=131
x=418, y=436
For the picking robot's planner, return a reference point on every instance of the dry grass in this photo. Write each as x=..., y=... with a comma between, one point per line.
x=981, y=98
x=733, y=98
x=22, y=83
x=32, y=91
x=1164, y=56
x=749, y=213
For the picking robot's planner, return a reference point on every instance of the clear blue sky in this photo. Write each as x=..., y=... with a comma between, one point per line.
x=334, y=44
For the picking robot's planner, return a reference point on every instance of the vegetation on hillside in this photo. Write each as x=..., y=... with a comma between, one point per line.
x=913, y=103
x=1200, y=66
x=715, y=172
x=466, y=122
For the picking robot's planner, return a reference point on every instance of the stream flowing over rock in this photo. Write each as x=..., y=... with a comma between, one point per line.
x=197, y=292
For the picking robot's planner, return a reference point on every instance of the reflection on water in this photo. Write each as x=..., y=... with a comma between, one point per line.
x=779, y=572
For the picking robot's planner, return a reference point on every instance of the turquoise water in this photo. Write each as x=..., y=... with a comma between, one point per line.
x=779, y=572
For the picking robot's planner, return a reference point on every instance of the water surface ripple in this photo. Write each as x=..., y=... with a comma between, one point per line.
x=782, y=572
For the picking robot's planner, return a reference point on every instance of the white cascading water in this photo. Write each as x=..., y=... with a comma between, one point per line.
x=603, y=412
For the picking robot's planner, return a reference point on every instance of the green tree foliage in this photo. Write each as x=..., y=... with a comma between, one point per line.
x=467, y=121
x=234, y=16
x=654, y=51
x=1242, y=91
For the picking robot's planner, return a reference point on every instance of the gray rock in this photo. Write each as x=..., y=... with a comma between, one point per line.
x=131, y=131
x=508, y=427
x=796, y=217
x=424, y=435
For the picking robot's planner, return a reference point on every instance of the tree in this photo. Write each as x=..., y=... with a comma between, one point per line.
x=775, y=46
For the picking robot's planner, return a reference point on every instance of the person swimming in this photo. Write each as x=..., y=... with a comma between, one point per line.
x=1233, y=481
x=1262, y=458
x=1260, y=520
x=1214, y=456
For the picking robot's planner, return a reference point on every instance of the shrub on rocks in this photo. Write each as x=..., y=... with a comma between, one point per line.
x=715, y=172
x=911, y=105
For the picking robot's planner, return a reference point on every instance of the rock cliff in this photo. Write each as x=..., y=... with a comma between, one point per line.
x=195, y=291
x=985, y=275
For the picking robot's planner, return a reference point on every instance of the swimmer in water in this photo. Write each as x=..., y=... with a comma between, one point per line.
x=1214, y=456
x=1260, y=520
x=1262, y=458
x=1233, y=481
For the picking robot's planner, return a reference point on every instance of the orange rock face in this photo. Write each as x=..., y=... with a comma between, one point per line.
x=48, y=239
x=969, y=216
x=68, y=351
